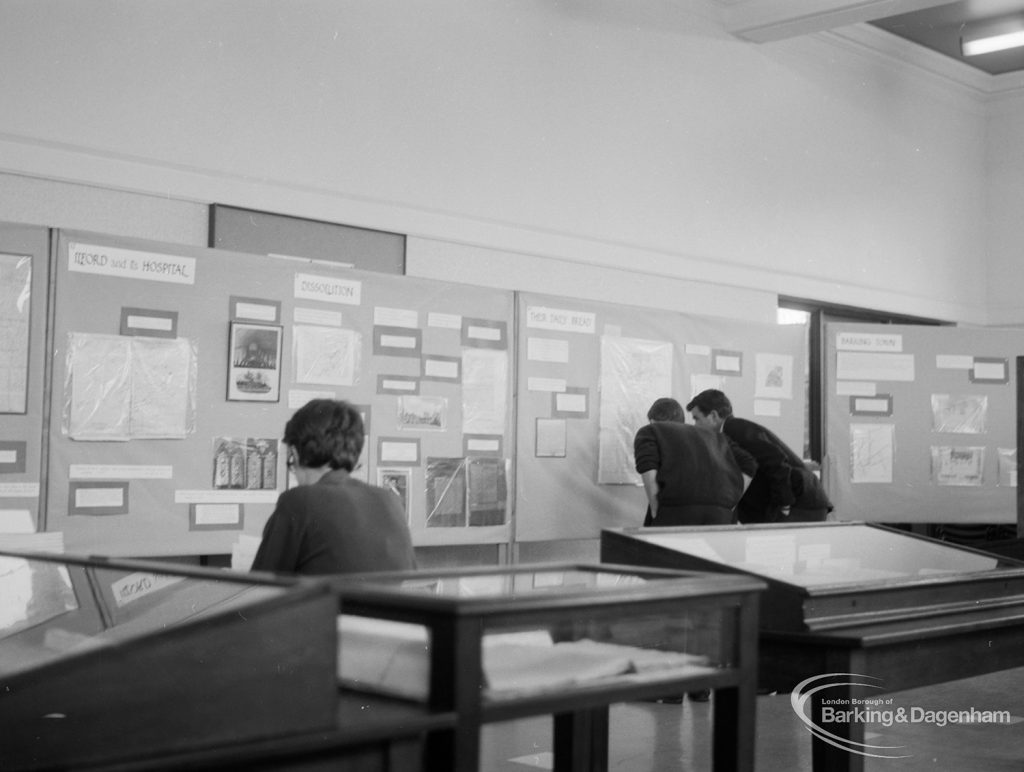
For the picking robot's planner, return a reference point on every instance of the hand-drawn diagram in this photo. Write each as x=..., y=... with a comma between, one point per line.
x=871, y=453
x=325, y=355
x=634, y=373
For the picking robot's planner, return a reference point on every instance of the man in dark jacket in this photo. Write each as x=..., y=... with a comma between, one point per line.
x=784, y=488
x=691, y=476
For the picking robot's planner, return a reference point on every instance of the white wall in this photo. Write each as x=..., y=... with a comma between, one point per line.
x=433, y=259
x=1005, y=171
x=51, y=204
x=636, y=137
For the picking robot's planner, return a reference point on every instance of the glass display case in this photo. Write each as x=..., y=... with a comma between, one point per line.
x=563, y=639
x=104, y=662
x=894, y=609
x=827, y=575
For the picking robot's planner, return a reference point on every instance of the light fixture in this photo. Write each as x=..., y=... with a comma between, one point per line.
x=1006, y=34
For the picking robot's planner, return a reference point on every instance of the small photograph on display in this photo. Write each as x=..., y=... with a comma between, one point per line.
x=423, y=413
x=958, y=466
x=488, y=491
x=261, y=464
x=396, y=481
x=245, y=463
x=254, y=371
x=446, y=492
x=229, y=462
x=959, y=413
x=773, y=376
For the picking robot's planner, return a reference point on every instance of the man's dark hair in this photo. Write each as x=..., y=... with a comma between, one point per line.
x=711, y=399
x=326, y=432
x=666, y=409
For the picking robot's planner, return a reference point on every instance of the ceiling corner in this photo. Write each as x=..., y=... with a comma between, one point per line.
x=762, y=21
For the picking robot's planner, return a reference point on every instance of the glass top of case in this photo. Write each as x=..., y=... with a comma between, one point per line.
x=508, y=583
x=53, y=607
x=829, y=553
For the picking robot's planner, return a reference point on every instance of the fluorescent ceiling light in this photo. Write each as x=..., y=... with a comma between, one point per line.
x=986, y=45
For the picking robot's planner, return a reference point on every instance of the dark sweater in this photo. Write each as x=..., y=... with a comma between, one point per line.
x=337, y=525
x=695, y=467
x=782, y=479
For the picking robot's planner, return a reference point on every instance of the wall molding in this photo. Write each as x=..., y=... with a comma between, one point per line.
x=34, y=158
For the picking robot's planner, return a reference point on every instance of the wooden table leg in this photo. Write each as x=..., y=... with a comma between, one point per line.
x=581, y=740
x=734, y=728
x=454, y=749
x=826, y=757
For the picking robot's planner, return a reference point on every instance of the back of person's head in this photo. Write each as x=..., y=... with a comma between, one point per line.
x=326, y=432
x=711, y=399
x=666, y=409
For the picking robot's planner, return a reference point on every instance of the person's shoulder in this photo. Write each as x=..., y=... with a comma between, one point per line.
x=678, y=427
x=718, y=440
x=292, y=495
x=735, y=425
x=355, y=487
x=326, y=487
x=646, y=434
x=664, y=429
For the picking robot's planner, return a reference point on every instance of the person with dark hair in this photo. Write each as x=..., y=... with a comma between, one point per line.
x=332, y=523
x=691, y=476
x=784, y=489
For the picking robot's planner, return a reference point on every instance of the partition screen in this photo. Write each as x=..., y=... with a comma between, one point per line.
x=176, y=368
x=922, y=423
x=587, y=374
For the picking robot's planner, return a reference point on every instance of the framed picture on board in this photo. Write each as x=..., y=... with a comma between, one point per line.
x=396, y=481
x=254, y=362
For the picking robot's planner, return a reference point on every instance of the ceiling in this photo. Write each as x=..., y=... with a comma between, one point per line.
x=913, y=24
x=940, y=27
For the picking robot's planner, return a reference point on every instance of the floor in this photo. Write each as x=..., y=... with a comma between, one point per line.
x=652, y=737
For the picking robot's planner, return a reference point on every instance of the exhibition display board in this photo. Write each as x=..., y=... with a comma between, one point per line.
x=921, y=423
x=588, y=372
x=24, y=279
x=154, y=427
x=175, y=370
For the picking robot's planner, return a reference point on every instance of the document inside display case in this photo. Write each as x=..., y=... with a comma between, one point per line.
x=393, y=658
